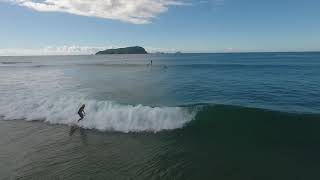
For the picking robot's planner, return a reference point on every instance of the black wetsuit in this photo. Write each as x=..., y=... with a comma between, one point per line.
x=80, y=112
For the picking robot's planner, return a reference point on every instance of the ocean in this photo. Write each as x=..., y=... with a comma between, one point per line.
x=226, y=116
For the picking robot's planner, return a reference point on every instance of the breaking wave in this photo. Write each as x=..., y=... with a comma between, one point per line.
x=100, y=115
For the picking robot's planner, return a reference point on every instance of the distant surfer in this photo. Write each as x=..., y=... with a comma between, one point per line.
x=81, y=112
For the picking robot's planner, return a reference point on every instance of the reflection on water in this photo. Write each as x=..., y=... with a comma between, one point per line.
x=72, y=130
x=82, y=132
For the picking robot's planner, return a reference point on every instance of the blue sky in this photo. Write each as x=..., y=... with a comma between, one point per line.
x=70, y=27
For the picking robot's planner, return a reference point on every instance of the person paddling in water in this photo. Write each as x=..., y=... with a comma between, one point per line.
x=81, y=112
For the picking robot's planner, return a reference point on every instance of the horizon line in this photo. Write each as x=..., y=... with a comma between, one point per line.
x=164, y=53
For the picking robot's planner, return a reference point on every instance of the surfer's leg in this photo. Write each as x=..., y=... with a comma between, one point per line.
x=81, y=116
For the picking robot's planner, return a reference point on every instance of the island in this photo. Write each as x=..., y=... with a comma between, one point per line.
x=127, y=50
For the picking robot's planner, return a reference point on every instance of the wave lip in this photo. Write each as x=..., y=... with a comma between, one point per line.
x=101, y=115
x=128, y=118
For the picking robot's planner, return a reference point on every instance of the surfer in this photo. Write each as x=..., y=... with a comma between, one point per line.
x=81, y=112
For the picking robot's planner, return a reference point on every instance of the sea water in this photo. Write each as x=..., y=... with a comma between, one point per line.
x=186, y=116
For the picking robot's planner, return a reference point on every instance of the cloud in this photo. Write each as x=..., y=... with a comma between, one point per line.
x=132, y=11
x=161, y=50
x=69, y=50
x=52, y=50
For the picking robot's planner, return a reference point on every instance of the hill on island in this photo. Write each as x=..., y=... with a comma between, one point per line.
x=127, y=50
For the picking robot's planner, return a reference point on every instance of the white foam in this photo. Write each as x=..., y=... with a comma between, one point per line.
x=101, y=115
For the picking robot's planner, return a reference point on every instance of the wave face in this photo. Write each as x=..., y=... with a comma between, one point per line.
x=215, y=120
x=100, y=115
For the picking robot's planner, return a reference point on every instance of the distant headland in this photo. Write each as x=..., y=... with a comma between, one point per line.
x=127, y=50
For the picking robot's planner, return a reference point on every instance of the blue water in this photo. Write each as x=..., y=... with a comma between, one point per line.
x=278, y=81
x=187, y=116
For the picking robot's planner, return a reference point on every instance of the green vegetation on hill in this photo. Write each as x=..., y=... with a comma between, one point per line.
x=127, y=50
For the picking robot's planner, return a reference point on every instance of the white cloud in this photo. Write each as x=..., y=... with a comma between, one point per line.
x=52, y=50
x=160, y=50
x=70, y=50
x=132, y=11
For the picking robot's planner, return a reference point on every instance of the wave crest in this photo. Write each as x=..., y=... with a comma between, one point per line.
x=101, y=115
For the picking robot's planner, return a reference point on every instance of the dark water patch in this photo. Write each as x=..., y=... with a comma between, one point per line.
x=228, y=142
x=253, y=123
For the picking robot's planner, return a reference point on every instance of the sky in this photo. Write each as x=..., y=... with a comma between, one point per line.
x=52, y=27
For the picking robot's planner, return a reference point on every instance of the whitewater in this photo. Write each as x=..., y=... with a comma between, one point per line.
x=100, y=115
